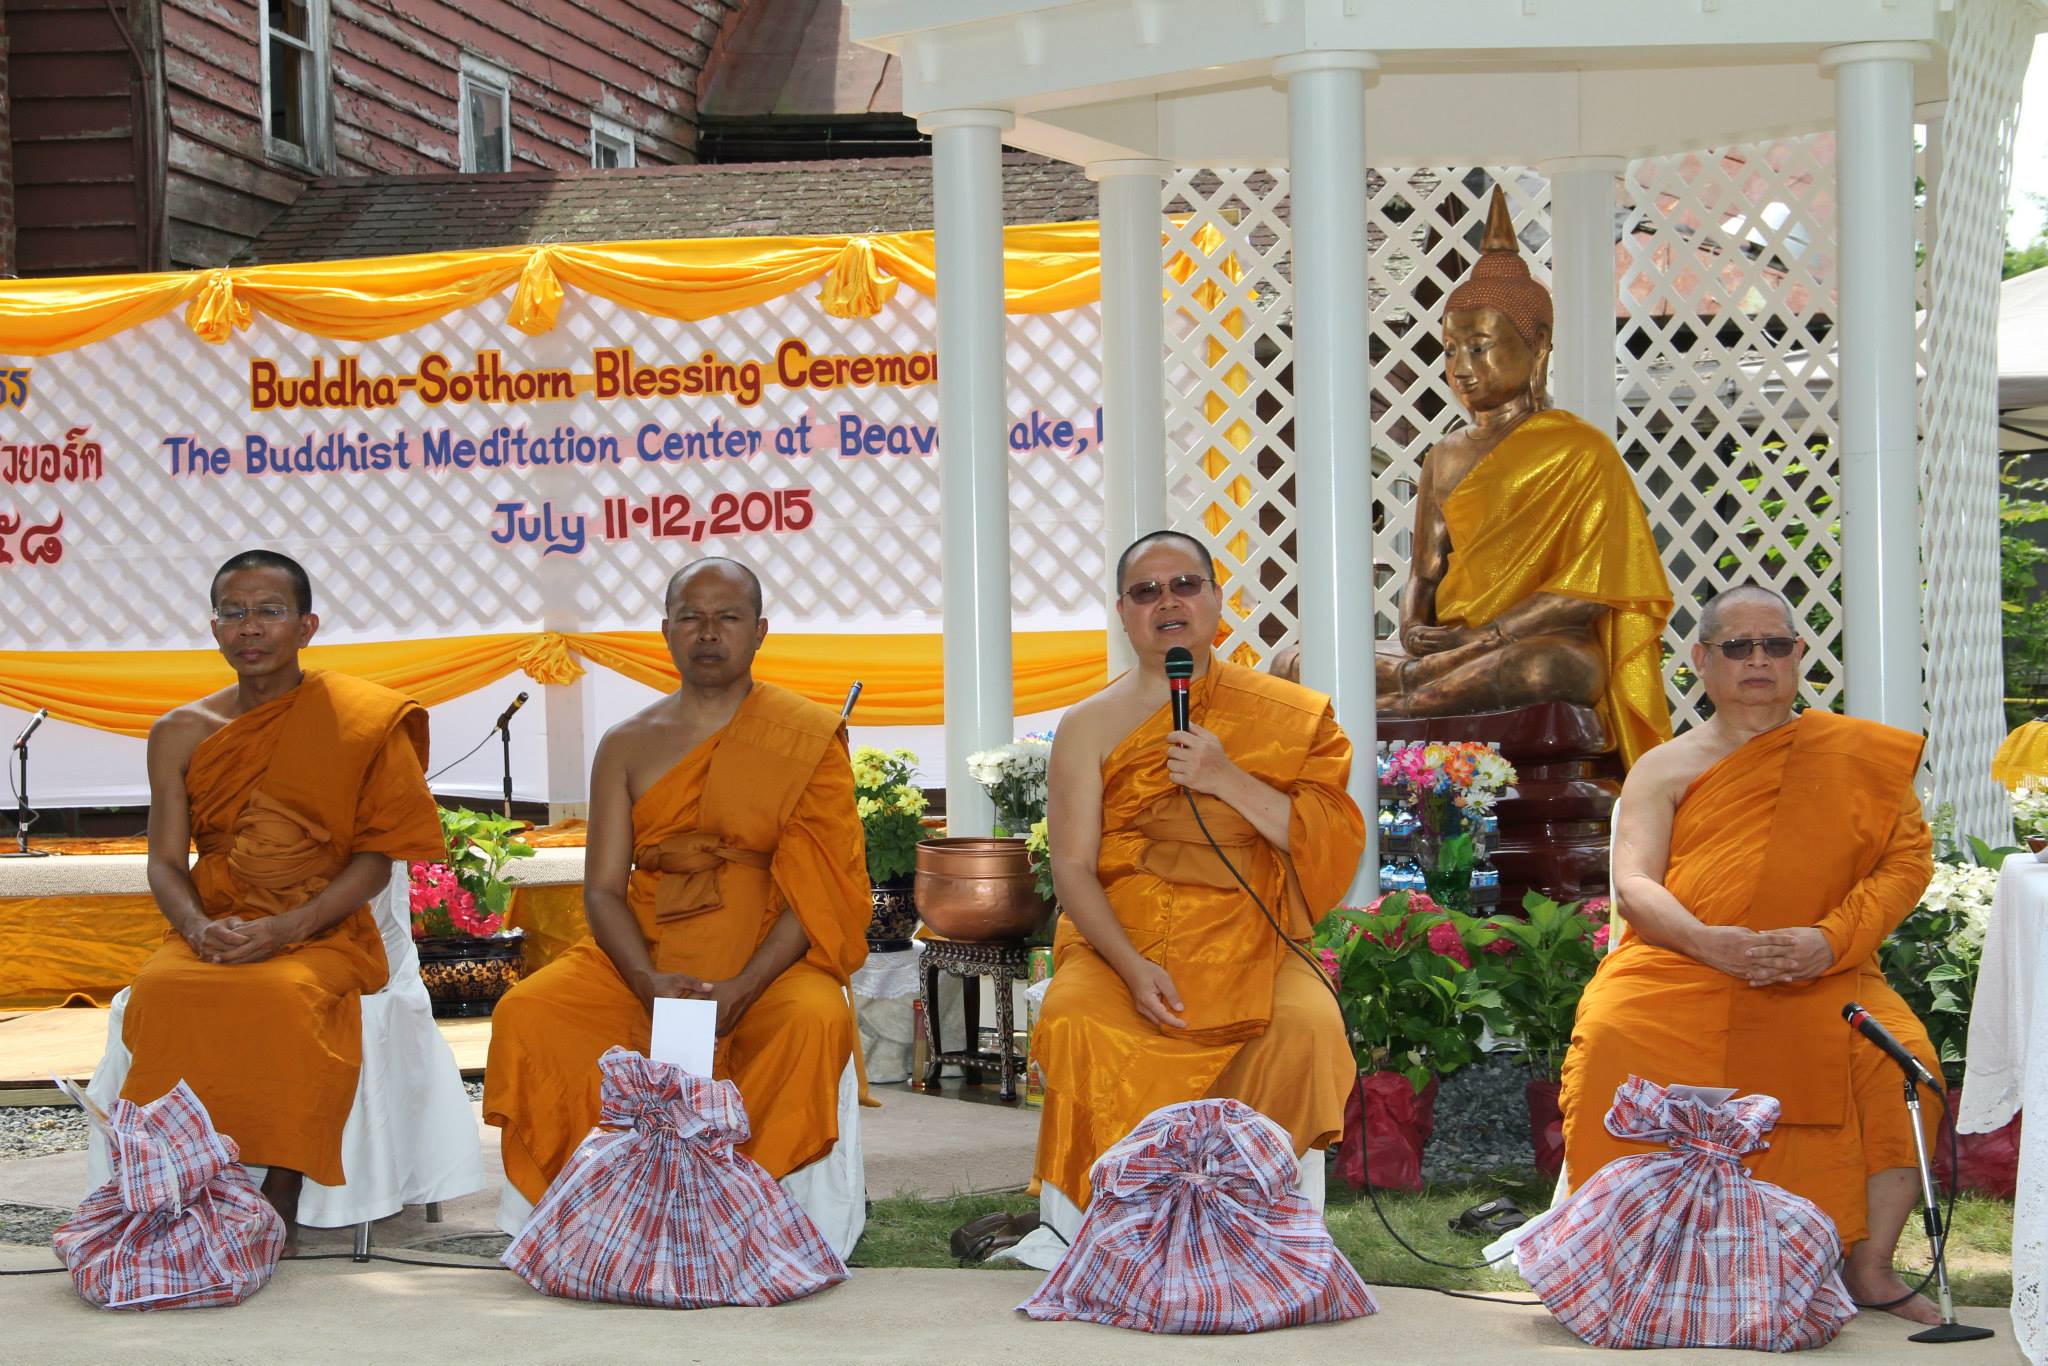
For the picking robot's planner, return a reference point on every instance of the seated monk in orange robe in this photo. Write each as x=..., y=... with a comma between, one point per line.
x=1759, y=861
x=725, y=862
x=300, y=789
x=1169, y=984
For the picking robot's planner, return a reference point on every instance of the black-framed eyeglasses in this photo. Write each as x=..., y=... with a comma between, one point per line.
x=1184, y=586
x=1742, y=647
x=269, y=613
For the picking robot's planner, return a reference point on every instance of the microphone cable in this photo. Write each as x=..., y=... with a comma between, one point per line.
x=472, y=749
x=1357, y=1084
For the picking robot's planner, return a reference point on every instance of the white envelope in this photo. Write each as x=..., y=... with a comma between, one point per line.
x=685, y=1033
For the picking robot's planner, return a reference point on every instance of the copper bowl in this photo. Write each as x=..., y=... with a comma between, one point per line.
x=2039, y=844
x=979, y=890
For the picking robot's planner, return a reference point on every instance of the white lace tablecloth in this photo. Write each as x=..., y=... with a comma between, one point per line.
x=2005, y=1075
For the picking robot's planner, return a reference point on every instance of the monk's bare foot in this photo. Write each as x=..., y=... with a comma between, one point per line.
x=281, y=1188
x=1884, y=1285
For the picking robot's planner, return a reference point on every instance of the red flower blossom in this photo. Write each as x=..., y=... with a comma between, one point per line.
x=1600, y=939
x=1500, y=947
x=1444, y=939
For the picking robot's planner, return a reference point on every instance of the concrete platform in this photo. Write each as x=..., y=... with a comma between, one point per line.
x=339, y=1311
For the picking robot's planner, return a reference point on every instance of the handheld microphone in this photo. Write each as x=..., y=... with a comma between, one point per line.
x=506, y=719
x=852, y=696
x=21, y=740
x=1860, y=1021
x=1180, y=667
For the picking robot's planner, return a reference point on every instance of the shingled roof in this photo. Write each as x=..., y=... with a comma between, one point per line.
x=391, y=215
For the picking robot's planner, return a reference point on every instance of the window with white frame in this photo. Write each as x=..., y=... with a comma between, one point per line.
x=486, y=110
x=611, y=144
x=293, y=47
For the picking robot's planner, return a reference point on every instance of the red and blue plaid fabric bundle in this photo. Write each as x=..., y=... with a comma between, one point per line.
x=180, y=1225
x=657, y=1208
x=1196, y=1227
x=1685, y=1248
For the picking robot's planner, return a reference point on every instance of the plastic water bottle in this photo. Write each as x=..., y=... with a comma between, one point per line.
x=1484, y=874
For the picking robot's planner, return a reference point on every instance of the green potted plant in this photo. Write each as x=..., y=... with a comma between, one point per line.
x=891, y=807
x=1539, y=967
x=1416, y=1009
x=468, y=959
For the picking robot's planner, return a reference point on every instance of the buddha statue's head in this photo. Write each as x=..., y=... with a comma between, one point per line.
x=1497, y=323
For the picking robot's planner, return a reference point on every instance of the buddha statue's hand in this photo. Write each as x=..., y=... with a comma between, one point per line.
x=1429, y=640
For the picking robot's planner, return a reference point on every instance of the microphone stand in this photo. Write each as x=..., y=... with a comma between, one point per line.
x=23, y=817
x=1948, y=1330
x=505, y=734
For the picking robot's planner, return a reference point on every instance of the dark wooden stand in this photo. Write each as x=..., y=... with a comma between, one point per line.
x=1007, y=961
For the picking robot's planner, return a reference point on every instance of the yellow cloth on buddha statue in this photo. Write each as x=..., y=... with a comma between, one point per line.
x=757, y=818
x=282, y=798
x=1261, y=1027
x=1552, y=509
x=1812, y=823
x=2022, y=761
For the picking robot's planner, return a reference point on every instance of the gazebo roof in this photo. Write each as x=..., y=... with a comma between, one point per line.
x=1462, y=82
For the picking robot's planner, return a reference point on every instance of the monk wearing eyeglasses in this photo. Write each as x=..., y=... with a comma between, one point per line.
x=1759, y=860
x=1170, y=984
x=300, y=788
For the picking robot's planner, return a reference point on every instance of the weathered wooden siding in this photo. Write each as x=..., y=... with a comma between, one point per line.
x=221, y=188
x=394, y=68
x=75, y=95
x=397, y=64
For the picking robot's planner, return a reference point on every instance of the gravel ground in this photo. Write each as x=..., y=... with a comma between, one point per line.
x=1482, y=1122
x=31, y=1225
x=34, y=1130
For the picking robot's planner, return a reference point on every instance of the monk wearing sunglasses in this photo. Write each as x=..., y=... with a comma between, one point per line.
x=1759, y=860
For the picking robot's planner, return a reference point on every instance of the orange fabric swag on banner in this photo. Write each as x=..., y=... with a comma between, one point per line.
x=903, y=677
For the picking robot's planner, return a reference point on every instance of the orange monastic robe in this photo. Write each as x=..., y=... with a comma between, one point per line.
x=1261, y=1027
x=1813, y=823
x=758, y=817
x=282, y=798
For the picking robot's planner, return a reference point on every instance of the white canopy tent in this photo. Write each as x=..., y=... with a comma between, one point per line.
x=2023, y=363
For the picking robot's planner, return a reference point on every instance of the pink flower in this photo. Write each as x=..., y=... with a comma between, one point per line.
x=1501, y=947
x=1329, y=962
x=1600, y=939
x=1596, y=908
x=1444, y=939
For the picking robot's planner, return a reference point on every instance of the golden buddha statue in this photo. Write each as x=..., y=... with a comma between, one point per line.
x=1534, y=577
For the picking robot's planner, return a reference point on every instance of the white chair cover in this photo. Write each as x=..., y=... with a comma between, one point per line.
x=411, y=1138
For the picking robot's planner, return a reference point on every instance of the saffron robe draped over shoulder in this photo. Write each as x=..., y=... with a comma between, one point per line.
x=1261, y=1028
x=1552, y=509
x=759, y=817
x=282, y=798
x=1811, y=824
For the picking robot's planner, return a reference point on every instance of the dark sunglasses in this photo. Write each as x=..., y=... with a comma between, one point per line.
x=1777, y=647
x=1184, y=586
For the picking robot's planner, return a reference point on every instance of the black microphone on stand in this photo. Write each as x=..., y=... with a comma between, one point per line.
x=1917, y=1075
x=1180, y=667
x=1860, y=1020
x=23, y=817
x=504, y=729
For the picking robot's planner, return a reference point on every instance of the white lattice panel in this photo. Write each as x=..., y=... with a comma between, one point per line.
x=1728, y=386
x=1987, y=62
x=1725, y=264
x=405, y=554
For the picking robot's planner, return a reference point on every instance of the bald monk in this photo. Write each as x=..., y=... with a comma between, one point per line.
x=725, y=863
x=300, y=789
x=1169, y=984
x=1534, y=576
x=1759, y=861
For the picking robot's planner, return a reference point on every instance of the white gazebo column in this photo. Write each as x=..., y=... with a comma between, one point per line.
x=1332, y=407
x=1877, y=396
x=1582, y=207
x=974, y=458
x=1133, y=368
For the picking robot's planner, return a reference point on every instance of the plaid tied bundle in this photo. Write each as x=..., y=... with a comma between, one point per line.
x=1685, y=1248
x=180, y=1225
x=662, y=1211
x=1196, y=1227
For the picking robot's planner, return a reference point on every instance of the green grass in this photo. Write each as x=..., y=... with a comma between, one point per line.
x=908, y=1231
